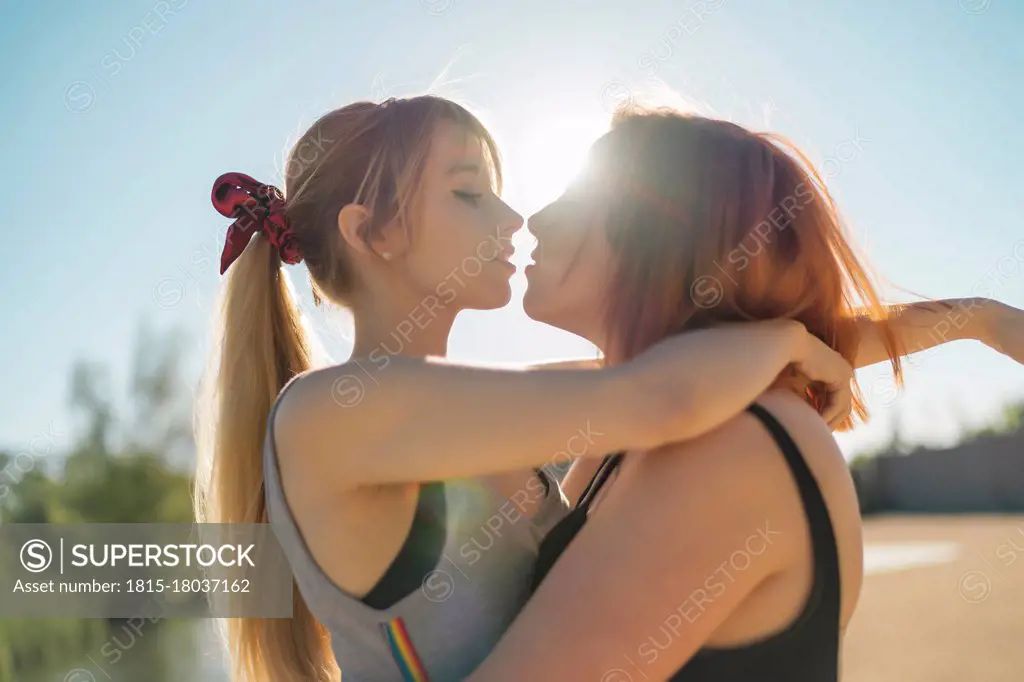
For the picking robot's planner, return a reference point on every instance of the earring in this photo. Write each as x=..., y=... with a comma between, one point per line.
x=386, y=255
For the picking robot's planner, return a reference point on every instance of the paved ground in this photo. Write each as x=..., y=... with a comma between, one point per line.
x=948, y=622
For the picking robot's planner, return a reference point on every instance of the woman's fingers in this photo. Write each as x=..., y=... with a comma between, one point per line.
x=840, y=404
x=822, y=364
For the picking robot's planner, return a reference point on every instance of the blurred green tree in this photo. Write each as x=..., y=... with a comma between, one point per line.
x=116, y=470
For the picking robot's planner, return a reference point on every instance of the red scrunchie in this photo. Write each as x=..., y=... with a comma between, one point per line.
x=255, y=207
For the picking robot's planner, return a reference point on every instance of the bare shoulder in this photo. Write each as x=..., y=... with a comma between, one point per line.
x=748, y=458
x=318, y=404
x=737, y=470
x=742, y=450
x=722, y=484
x=745, y=440
x=832, y=475
x=738, y=475
x=812, y=435
x=294, y=418
x=320, y=390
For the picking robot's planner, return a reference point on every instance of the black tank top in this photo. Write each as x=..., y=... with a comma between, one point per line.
x=423, y=548
x=808, y=649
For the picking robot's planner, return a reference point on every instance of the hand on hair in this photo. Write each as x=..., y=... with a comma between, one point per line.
x=826, y=378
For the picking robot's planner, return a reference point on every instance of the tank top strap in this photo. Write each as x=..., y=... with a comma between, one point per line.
x=826, y=588
x=608, y=466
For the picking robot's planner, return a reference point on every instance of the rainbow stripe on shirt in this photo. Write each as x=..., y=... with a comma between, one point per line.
x=404, y=652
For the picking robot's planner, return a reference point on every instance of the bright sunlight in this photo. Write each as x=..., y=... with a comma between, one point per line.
x=552, y=152
x=548, y=155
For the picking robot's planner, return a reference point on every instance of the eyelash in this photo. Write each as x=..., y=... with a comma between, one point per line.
x=472, y=199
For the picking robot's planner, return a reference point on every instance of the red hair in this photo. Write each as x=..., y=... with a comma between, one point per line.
x=713, y=223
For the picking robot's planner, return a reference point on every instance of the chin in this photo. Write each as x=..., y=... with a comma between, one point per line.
x=499, y=297
x=534, y=310
x=530, y=304
x=550, y=315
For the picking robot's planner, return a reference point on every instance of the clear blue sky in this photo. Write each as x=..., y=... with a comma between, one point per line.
x=117, y=116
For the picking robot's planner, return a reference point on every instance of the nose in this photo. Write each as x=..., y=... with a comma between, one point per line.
x=510, y=223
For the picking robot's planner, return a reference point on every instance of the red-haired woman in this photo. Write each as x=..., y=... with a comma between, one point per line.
x=735, y=556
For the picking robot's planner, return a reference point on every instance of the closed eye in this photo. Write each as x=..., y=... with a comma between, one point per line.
x=469, y=198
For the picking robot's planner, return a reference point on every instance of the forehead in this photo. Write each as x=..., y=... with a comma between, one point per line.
x=550, y=213
x=582, y=199
x=567, y=216
x=455, y=150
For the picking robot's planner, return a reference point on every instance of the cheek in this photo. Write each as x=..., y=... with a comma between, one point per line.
x=584, y=286
x=437, y=250
x=561, y=283
x=463, y=233
x=578, y=291
x=549, y=268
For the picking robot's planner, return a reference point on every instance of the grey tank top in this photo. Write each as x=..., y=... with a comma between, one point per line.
x=444, y=630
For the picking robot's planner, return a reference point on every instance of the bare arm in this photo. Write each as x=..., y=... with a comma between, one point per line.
x=589, y=363
x=417, y=419
x=581, y=470
x=920, y=326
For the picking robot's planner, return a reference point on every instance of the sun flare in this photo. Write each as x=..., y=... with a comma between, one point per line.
x=547, y=157
x=551, y=153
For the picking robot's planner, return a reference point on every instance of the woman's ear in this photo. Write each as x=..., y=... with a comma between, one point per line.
x=354, y=223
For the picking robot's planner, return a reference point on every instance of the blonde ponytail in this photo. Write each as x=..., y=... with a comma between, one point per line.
x=261, y=344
